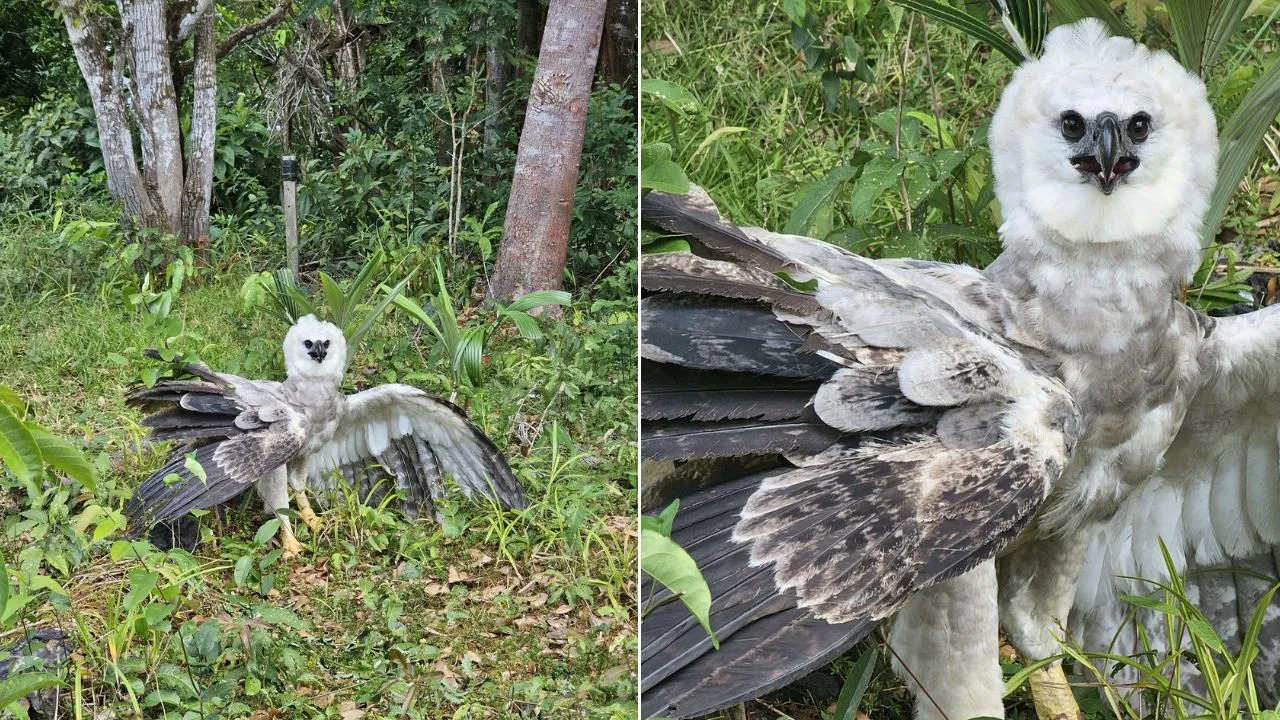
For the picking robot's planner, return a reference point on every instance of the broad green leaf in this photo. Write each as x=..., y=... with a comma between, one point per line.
x=667, y=245
x=1026, y=22
x=374, y=314
x=879, y=175
x=407, y=304
x=21, y=685
x=18, y=449
x=194, y=467
x=855, y=686
x=10, y=398
x=240, y=575
x=539, y=298
x=63, y=456
x=1201, y=30
x=932, y=124
x=468, y=359
x=670, y=94
x=1238, y=144
x=965, y=23
x=795, y=10
x=335, y=299
x=1150, y=603
x=665, y=176
x=816, y=198
x=526, y=324
x=1204, y=632
x=267, y=531
x=1069, y=11
x=665, y=561
x=141, y=583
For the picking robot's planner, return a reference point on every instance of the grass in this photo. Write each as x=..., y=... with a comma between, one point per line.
x=760, y=135
x=489, y=614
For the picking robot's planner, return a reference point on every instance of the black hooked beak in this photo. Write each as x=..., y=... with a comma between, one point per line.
x=317, y=352
x=1106, y=163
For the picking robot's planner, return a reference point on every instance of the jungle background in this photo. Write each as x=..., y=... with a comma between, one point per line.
x=863, y=123
x=406, y=119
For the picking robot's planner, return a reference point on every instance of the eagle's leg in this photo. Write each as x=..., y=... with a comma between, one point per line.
x=298, y=482
x=274, y=489
x=950, y=679
x=1037, y=586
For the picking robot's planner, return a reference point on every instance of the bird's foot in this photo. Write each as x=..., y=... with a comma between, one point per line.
x=310, y=519
x=291, y=547
x=1052, y=695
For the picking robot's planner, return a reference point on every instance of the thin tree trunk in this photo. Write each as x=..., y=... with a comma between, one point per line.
x=198, y=191
x=495, y=83
x=124, y=182
x=147, y=43
x=618, y=47
x=535, y=237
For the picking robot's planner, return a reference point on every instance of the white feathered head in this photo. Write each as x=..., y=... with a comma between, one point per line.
x=1103, y=140
x=314, y=349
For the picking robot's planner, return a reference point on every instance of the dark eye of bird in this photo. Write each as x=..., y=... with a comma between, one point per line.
x=306, y=344
x=1072, y=125
x=1139, y=126
x=326, y=344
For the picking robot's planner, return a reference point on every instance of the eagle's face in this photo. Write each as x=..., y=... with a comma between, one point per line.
x=316, y=349
x=1103, y=140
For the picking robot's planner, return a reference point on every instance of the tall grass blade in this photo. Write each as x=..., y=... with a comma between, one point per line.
x=1226, y=18
x=1069, y=11
x=1239, y=142
x=855, y=686
x=965, y=23
x=377, y=311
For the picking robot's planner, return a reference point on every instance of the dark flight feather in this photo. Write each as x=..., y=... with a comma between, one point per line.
x=672, y=393
x=894, y=407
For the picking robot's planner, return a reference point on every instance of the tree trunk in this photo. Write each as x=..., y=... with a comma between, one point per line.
x=618, y=47
x=495, y=84
x=535, y=237
x=147, y=46
x=124, y=182
x=198, y=191
x=135, y=88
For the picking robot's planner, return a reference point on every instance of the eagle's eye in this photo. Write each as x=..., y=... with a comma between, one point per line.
x=1139, y=126
x=1072, y=125
x=306, y=344
x=326, y=344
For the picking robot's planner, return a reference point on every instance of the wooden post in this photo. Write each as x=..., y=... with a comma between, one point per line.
x=289, y=200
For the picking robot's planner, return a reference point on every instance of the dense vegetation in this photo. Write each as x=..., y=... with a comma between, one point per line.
x=490, y=614
x=864, y=124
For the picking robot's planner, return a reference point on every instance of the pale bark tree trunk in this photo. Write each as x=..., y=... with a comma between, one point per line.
x=124, y=182
x=134, y=87
x=198, y=192
x=146, y=44
x=535, y=236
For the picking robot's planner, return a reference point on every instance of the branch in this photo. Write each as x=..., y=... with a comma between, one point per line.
x=189, y=21
x=254, y=29
x=244, y=33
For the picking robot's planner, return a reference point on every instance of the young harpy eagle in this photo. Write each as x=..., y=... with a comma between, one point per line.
x=874, y=445
x=297, y=433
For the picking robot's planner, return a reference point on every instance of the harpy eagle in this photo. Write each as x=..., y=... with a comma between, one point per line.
x=855, y=440
x=298, y=433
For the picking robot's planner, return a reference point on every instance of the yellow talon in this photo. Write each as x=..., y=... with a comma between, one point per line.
x=307, y=515
x=1052, y=695
x=310, y=519
x=292, y=548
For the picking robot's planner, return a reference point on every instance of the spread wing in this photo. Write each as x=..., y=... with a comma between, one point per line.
x=417, y=438
x=235, y=429
x=1215, y=502
x=836, y=448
